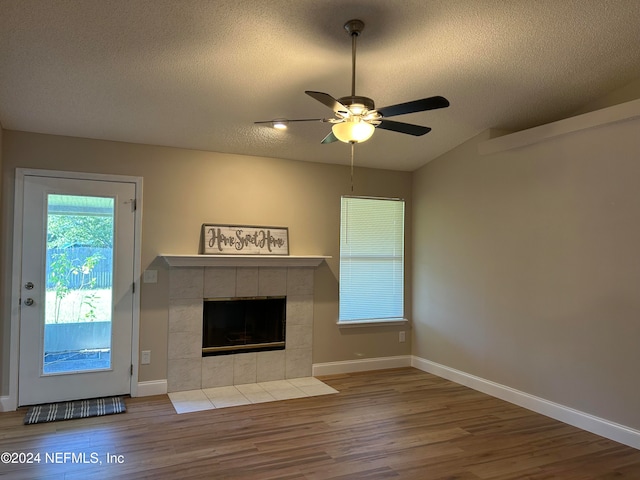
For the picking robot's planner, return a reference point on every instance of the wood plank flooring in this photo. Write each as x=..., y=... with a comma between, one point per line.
x=391, y=424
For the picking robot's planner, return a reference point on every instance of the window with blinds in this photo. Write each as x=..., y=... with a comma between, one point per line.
x=371, y=259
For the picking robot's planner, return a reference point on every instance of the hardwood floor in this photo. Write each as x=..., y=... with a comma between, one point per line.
x=402, y=423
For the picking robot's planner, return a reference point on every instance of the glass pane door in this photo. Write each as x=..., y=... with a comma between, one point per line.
x=79, y=280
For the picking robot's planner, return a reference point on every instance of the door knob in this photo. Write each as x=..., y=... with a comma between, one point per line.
x=28, y=285
x=28, y=302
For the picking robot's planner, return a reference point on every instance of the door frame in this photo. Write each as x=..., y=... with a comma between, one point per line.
x=11, y=403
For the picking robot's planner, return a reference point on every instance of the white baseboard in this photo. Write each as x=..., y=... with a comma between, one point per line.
x=366, y=364
x=152, y=387
x=585, y=421
x=6, y=404
x=145, y=389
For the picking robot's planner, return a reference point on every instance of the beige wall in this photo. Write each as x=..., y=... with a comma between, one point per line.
x=527, y=267
x=184, y=188
x=4, y=326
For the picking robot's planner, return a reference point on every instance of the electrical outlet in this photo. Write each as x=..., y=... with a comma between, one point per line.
x=401, y=337
x=146, y=357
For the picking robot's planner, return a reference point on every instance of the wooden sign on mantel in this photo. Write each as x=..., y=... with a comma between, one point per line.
x=244, y=240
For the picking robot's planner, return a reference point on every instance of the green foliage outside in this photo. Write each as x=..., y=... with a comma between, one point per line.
x=81, y=303
x=60, y=271
x=88, y=230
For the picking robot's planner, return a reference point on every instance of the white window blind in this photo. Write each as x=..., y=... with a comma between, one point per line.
x=371, y=259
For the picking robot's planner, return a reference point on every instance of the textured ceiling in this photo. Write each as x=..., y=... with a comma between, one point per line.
x=197, y=74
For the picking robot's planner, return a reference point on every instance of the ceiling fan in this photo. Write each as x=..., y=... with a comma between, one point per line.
x=355, y=117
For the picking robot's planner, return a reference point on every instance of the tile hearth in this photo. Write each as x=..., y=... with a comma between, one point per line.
x=251, y=393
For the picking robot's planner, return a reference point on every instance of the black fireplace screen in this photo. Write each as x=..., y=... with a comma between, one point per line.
x=236, y=325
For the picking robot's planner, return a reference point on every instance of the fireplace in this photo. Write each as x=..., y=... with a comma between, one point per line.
x=243, y=324
x=193, y=278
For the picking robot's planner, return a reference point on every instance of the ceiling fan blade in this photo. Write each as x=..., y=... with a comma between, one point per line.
x=328, y=100
x=430, y=103
x=329, y=138
x=408, y=128
x=294, y=120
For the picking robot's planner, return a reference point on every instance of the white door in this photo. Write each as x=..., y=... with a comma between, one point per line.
x=77, y=272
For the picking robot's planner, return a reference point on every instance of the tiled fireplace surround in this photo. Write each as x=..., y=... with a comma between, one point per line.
x=188, y=286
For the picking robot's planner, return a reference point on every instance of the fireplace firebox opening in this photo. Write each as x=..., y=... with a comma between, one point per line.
x=243, y=324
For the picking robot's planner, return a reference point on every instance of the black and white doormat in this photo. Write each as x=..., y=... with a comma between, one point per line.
x=53, y=412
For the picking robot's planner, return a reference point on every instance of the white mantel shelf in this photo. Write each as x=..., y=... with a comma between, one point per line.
x=243, y=260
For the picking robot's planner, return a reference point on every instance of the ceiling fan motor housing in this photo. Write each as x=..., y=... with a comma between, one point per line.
x=366, y=102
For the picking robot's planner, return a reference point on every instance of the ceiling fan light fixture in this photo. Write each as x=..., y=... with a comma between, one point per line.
x=357, y=108
x=353, y=130
x=280, y=124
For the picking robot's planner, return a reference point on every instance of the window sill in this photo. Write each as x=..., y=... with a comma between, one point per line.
x=372, y=322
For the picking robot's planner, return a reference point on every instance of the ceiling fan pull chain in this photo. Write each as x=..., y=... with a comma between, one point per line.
x=353, y=146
